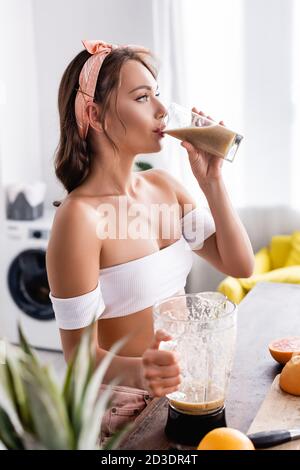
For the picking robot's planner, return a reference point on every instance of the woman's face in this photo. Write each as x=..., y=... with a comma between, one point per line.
x=139, y=109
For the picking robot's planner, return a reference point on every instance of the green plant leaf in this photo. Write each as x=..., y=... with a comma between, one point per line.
x=51, y=384
x=74, y=370
x=79, y=371
x=50, y=422
x=17, y=392
x=9, y=407
x=2, y=446
x=25, y=345
x=45, y=378
x=8, y=433
x=82, y=369
x=81, y=374
x=94, y=404
x=7, y=385
x=68, y=388
x=92, y=390
x=91, y=425
x=142, y=166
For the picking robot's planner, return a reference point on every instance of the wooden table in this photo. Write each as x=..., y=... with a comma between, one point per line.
x=269, y=311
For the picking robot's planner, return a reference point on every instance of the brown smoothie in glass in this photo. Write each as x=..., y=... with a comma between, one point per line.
x=215, y=139
x=195, y=399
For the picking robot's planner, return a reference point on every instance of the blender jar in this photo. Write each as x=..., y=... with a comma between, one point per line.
x=203, y=330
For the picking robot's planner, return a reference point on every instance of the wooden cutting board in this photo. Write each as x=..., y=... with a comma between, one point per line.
x=279, y=410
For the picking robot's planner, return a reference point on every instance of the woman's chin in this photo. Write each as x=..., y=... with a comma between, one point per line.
x=158, y=146
x=153, y=148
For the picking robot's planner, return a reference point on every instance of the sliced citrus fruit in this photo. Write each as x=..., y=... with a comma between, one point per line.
x=282, y=349
x=225, y=439
x=289, y=379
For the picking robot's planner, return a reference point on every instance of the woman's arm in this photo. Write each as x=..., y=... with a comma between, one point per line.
x=73, y=258
x=128, y=369
x=228, y=249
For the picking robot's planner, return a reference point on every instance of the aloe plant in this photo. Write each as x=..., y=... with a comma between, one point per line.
x=36, y=412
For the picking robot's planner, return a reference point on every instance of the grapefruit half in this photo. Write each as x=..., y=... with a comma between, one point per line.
x=282, y=349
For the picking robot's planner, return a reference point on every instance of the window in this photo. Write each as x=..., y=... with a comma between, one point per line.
x=214, y=70
x=295, y=173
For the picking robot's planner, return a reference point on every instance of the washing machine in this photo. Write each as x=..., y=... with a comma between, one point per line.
x=25, y=294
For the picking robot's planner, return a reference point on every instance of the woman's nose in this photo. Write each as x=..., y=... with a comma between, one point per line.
x=162, y=112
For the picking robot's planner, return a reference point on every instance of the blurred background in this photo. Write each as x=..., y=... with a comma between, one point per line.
x=237, y=60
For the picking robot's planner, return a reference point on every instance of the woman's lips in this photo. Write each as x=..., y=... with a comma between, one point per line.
x=159, y=132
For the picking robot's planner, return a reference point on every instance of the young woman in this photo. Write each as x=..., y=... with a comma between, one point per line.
x=109, y=113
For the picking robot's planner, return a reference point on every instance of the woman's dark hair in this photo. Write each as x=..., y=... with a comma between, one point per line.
x=72, y=159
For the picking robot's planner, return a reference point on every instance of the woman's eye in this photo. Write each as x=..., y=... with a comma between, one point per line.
x=141, y=97
x=145, y=96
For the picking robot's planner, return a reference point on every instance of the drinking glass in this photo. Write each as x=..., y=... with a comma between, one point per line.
x=202, y=132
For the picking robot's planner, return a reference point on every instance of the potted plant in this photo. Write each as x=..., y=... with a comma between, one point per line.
x=36, y=412
x=142, y=166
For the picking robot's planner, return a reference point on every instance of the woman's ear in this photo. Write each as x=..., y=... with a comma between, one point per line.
x=93, y=111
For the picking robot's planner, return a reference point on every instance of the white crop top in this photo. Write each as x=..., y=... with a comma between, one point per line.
x=133, y=286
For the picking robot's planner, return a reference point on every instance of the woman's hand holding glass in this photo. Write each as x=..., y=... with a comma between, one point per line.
x=206, y=167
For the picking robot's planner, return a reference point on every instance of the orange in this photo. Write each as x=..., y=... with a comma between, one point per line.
x=289, y=379
x=225, y=439
x=282, y=349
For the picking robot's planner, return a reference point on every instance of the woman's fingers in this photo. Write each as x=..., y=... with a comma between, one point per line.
x=201, y=113
x=163, y=384
x=167, y=382
x=159, y=336
x=188, y=146
x=161, y=368
x=163, y=387
x=162, y=372
x=159, y=358
x=195, y=110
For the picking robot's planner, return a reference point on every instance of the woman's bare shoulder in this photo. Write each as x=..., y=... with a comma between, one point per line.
x=158, y=177
x=74, y=210
x=74, y=248
x=165, y=180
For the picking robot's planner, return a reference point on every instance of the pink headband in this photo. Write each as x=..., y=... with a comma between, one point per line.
x=88, y=79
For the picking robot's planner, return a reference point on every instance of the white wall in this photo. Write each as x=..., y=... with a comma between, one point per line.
x=215, y=60
x=268, y=104
x=20, y=139
x=239, y=69
x=19, y=119
x=59, y=27
x=296, y=104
